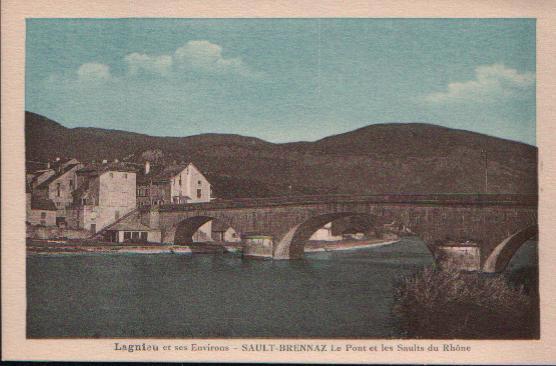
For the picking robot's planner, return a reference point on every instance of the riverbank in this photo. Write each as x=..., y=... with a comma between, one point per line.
x=324, y=246
x=447, y=304
x=68, y=248
x=63, y=247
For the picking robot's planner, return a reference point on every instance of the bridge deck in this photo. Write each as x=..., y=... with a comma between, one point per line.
x=449, y=199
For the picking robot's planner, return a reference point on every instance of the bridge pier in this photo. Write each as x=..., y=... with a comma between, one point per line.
x=460, y=256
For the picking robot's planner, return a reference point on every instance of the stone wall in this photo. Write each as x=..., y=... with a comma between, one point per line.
x=54, y=232
x=40, y=217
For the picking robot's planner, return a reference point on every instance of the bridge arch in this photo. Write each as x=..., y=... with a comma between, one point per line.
x=185, y=229
x=503, y=252
x=292, y=244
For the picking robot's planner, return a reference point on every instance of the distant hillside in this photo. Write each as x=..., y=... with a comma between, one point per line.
x=380, y=158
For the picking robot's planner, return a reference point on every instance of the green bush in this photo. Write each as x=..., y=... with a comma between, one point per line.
x=448, y=304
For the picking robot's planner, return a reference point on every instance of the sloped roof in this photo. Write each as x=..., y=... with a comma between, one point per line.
x=160, y=173
x=51, y=179
x=42, y=204
x=112, y=166
x=129, y=222
x=129, y=226
x=58, y=163
x=35, y=166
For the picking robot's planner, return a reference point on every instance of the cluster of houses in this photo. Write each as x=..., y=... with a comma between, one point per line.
x=96, y=196
x=100, y=197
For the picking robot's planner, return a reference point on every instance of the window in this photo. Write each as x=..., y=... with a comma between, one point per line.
x=116, y=215
x=93, y=228
x=58, y=187
x=135, y=235
x=83, y=201
x=71, y=184
x=199, y=182
x=127, y=235
x=144, y=236
x=43, y=215
x=180, y=180
x=43, y=223
x=199, y=193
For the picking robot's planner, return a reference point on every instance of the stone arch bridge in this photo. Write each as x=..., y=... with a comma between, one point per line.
x=482, y=229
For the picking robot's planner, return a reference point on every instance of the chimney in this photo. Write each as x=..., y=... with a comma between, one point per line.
x=104, y=161
x=116, y=161
x=147, y=167
x=57, y=158
x=48, y=165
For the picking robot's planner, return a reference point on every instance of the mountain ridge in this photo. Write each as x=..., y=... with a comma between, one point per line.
x=379, y=158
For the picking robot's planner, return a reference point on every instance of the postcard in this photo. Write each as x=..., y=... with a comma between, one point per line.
x=278, y=182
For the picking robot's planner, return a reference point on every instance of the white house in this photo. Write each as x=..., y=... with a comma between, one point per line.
x=105, y=193
x=174, y=184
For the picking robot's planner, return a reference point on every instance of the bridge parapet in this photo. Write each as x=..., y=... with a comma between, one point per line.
x=528, y=200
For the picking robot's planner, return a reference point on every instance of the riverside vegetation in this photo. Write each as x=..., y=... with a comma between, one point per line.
x=447, y=304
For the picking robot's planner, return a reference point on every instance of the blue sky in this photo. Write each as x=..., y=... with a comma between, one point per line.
x=283, y=79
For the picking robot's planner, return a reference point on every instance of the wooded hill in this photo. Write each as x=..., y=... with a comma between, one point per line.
x=379, y=158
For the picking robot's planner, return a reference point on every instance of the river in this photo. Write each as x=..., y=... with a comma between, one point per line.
x=326, y=295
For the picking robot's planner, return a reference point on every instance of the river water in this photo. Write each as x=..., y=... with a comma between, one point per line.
x=326, y=295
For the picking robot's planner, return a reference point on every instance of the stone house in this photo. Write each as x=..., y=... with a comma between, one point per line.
x=174, y=184
x=130, y=230
x=57, y=184
x=40, y=211
x=105, y=193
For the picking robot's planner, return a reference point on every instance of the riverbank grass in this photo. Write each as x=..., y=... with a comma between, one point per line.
x=448, y=304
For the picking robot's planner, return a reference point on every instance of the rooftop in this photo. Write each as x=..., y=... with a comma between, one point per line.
x=129, y=226
x=51, y=179
x=130, y=222
x=112, y=166
x=160, y=173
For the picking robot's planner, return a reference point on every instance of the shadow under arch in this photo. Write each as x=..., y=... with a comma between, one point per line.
x=292, y=245
x=186, y=228
x=503, y=252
